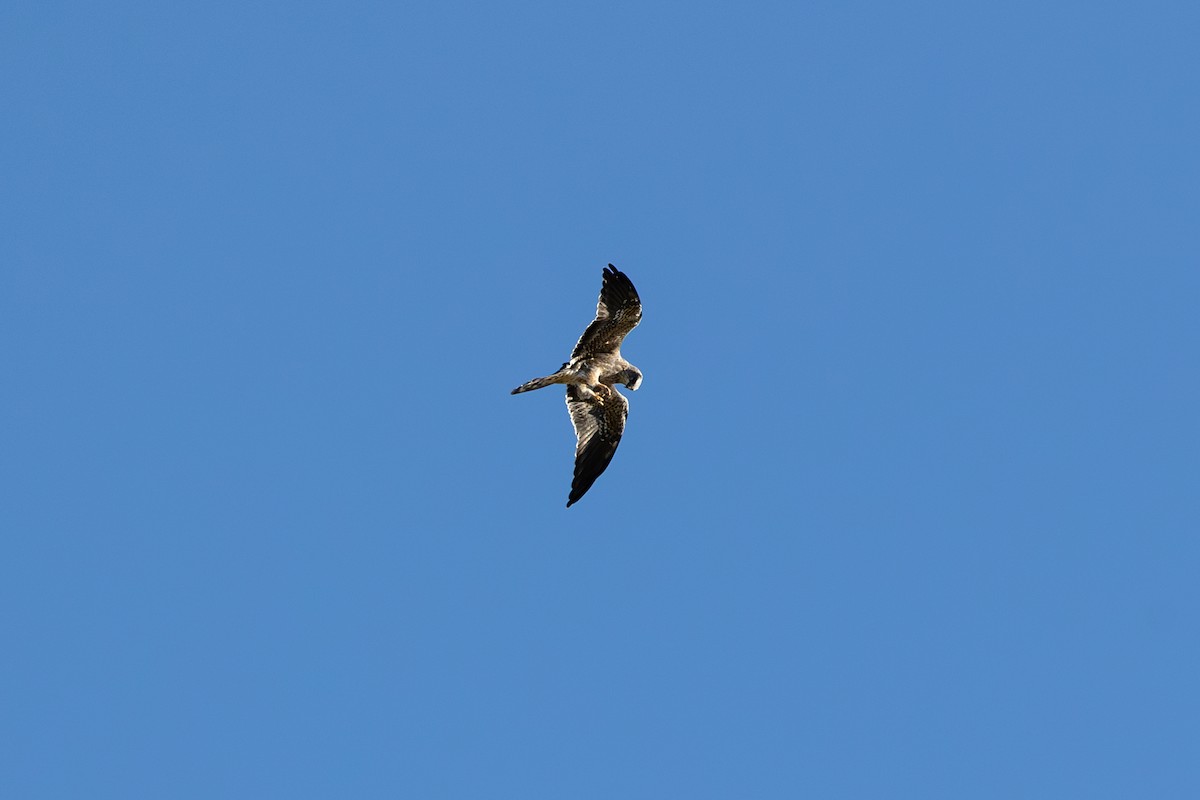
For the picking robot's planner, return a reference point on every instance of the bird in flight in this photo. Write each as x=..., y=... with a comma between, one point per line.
x=597, y=409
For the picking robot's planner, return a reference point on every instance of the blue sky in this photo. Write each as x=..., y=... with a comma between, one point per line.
x=907, y=504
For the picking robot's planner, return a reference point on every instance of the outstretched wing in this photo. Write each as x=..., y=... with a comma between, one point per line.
x=618, y=312
x=598, y=430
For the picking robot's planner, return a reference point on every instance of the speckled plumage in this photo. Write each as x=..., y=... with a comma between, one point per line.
x=598, y=411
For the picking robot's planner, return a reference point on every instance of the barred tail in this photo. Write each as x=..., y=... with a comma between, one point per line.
x=536, y=383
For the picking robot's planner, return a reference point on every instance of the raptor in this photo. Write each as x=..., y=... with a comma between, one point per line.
x=598, y=411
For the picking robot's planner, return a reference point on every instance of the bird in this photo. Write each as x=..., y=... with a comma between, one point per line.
x=598, y=411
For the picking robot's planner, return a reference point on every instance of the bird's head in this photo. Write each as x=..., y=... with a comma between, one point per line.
x=632, y=378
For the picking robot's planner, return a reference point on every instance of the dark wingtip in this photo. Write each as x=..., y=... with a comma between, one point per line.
x=617, y=285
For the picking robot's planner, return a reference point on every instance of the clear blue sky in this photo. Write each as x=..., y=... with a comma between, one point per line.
x=908, y=502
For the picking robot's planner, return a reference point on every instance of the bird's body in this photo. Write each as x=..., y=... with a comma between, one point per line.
x=598, y=411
